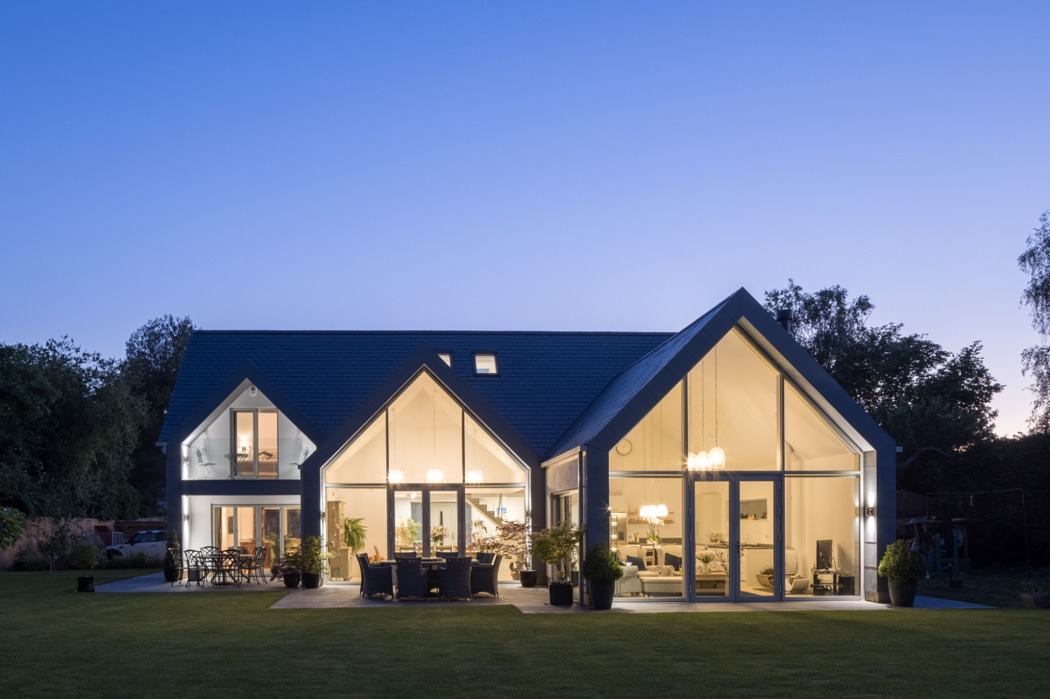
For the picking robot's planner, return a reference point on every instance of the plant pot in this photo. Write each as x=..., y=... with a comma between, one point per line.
x=171, y=574
x=291, y=580
x=86, y=583
x=602, y=593
x=902, y=592
x=560, y=594
x=528, y=578
x=311, y=581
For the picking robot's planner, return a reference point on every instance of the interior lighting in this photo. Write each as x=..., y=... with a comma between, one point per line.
x=435, y=475
x=396, y=476
x=474, y=476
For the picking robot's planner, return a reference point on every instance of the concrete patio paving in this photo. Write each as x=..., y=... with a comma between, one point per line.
x=342, y=595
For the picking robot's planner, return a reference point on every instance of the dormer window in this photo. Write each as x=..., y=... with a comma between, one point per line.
x=485, y=364
x=446, y=357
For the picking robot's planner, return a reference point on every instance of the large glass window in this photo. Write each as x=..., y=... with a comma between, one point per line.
x=248, y=526
x=247, y=438
x=812, y=444
x=733, y=399
x=822, y=534
x=649, y=535
x=426, y=434
x=443, y=470
x=655, y=443
x=343, y=504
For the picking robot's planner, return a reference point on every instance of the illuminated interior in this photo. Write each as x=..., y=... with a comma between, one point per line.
x=735, y=472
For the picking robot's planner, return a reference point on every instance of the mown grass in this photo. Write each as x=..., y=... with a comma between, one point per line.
x=56, y=642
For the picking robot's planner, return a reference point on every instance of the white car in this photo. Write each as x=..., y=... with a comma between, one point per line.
x=153, y=543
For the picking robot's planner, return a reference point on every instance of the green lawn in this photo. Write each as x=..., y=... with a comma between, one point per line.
x=56, y=642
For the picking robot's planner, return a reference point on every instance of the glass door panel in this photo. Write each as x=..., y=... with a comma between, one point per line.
x=443, y=521
x=713, y=562
x=757, y=517
x=408, y=521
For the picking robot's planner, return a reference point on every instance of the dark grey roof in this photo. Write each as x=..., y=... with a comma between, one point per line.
x=555, y=390
x=546, y=379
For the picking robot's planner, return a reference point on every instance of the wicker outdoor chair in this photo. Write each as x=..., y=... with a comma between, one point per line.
x=375, y=580
x=484, y=577
x=455, y=578
x=411, y=579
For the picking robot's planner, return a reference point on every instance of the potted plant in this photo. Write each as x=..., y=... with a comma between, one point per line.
x=354, y=534
x=1034, y=595
x=408, y=532
x=902, y=567
x=514, y=543
x=84, y=557
x=438, y=534
x=602, y=568
x=172, y=559
x=291, y=566
x=558, y=546
x=312, y=561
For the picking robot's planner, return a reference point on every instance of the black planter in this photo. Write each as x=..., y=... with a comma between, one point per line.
x=602, y=593
x=311, y=581
x=902, y=592
x=86, y=583
x=528, y=578
x=171, y=572
x=291, y=579
x=560, y=594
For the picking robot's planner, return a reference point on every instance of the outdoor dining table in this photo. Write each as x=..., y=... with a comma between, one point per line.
x=226, y=566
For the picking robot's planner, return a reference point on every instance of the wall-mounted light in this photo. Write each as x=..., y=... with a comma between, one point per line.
x=869, y=511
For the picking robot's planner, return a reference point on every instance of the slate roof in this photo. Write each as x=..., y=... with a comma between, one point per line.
x=546, y=379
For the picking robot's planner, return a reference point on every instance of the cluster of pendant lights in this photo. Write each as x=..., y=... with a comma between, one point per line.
x=713, y=460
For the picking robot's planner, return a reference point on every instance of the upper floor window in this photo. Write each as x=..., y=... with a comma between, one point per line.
x=255, y=442
x=446, y=357
x=485, y=364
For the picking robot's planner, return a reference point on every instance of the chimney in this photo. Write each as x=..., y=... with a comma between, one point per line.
x=784, y=317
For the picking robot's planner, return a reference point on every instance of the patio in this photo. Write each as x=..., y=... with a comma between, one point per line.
x=527, y=600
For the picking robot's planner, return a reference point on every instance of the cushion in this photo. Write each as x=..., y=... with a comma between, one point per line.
x=673, y=560
x=638, y=562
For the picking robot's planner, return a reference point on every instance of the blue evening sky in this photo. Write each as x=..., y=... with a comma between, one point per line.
x=519, y=165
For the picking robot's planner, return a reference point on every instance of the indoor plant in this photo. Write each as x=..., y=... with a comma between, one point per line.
x=354, y=533
x=312, y=561
x=84, y=557
x=602, y=568
x=903, y=568
x=172, y=559
x=558, y=546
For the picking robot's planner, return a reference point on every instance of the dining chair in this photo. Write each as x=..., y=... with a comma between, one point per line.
x=194, y=569
x=484, y=577
x=411, y=579
x=375, y=580
x=485, y=557
x=455, y=578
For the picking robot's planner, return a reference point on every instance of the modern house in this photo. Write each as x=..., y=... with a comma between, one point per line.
x=725, y=440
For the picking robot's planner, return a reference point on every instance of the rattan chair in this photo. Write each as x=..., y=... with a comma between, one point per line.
x=411, y=579
x=485, y=557
x=375, y=580
x=455, y=578
x=484, y=577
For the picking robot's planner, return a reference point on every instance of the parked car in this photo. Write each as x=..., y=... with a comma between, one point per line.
x=151, y=542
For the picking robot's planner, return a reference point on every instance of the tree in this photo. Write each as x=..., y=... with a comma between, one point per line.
x=926, y=398
x=1035, y=360
x=153, y=354
x=68, y=425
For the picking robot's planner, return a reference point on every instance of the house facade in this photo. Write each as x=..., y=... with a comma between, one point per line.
x=721, y=461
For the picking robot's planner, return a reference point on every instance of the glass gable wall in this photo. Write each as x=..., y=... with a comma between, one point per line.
x=698, y=514
x=249, y=439
x=425, y=476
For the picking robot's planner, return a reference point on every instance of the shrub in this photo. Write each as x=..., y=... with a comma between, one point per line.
x=902, y=564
